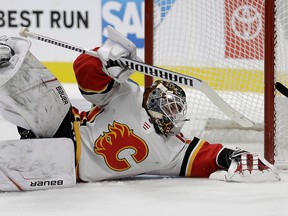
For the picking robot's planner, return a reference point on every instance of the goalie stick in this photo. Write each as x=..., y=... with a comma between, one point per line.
x=156, y=72
x=282, y=89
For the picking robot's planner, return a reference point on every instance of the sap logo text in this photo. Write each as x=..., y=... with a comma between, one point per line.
x=127, y=17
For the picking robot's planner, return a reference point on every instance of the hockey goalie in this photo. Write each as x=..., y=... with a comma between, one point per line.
x=126, y=132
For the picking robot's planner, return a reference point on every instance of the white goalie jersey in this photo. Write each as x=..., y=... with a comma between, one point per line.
x=118, y=140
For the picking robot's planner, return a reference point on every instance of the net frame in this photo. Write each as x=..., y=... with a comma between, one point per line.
x=269, y=70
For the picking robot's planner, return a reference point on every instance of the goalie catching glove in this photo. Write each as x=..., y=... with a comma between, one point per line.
x=115, y=47
x=247, y=167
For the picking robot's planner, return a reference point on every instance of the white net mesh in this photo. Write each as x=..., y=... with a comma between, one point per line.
x=281, y=75
x=222, y=43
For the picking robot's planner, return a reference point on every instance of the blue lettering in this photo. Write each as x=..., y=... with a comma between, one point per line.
x=127, y=17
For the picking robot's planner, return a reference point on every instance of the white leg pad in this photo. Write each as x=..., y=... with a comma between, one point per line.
x=32, y=97
x=37, y=164
x=20, y=46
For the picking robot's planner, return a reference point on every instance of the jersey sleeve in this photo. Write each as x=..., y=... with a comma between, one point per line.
x=200, y=159
x=196, y=158
x=89, y=75
x=95, y=85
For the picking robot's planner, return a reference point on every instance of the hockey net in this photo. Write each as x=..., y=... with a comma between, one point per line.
x=224, y=43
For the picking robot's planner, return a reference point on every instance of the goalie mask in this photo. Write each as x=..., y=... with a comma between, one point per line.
x=165, y=103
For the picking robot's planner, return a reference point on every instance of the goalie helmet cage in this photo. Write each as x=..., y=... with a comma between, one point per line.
x=240, y=48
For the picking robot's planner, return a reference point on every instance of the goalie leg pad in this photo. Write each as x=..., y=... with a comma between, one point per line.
x=33, y=98
x=20, y=47
x=37, y=164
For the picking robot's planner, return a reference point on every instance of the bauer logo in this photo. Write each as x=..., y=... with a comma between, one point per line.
x=127, y=17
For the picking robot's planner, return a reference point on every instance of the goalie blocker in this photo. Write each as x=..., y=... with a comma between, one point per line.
x=37, y=164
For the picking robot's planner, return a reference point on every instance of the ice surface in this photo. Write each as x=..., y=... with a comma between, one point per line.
x=149, y=195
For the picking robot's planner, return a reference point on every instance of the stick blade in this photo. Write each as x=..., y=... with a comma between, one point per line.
x=281, y=88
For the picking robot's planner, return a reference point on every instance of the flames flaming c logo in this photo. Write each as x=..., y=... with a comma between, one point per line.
x=119, y=138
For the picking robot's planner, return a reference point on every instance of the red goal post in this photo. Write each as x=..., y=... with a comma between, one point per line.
x=240, y=48
x=269, y=61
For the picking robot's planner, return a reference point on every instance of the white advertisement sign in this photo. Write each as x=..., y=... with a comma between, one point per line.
x=81, y=23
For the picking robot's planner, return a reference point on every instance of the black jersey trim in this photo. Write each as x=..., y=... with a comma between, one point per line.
x=188, y=152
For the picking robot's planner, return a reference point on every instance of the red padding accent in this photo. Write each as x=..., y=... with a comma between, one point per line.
x=89, y=74
x=205, y=161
